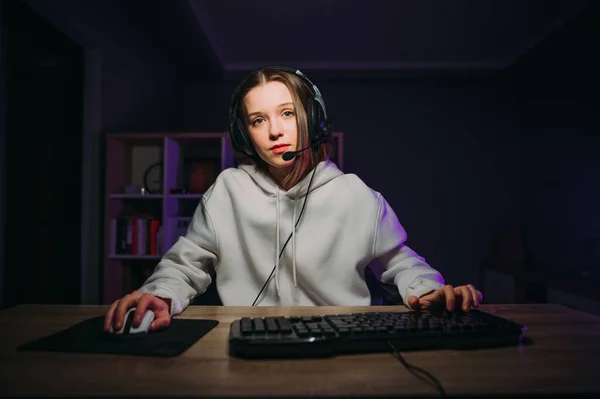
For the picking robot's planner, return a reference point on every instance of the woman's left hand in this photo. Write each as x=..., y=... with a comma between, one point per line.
x=463, y=296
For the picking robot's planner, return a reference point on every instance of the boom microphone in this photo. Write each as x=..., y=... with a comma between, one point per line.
x=291, y=154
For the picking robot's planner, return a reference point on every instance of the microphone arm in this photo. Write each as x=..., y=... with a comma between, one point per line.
x=291, y=154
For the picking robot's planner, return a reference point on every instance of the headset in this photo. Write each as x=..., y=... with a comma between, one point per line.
x=316, y=113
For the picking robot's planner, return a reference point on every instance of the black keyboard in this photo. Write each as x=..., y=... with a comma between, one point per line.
x=323, y=336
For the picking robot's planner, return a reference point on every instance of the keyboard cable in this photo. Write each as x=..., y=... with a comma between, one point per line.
x=418, y=372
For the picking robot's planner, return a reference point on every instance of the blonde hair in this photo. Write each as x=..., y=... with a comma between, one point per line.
x=306, y=160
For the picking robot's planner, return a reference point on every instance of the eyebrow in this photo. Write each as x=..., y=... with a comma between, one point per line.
x=279, y=106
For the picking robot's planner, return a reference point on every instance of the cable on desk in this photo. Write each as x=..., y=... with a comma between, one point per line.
x=418, y=372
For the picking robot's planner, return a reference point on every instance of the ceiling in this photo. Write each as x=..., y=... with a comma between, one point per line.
x=234, y=36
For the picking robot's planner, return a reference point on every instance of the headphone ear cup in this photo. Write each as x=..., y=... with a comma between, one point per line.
x=245, y=144
x=235, y=135
x=315, y=117
x=319, y=121
x=239, y=138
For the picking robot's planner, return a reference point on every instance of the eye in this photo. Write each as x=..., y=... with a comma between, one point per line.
x=257, y=121
x=288, y=113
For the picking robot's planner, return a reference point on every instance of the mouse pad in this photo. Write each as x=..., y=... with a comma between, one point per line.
x=88, y=337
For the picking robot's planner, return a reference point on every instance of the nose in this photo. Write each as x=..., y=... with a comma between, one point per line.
x=276, y=129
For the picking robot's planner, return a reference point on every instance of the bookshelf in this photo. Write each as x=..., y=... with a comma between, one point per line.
x=153, y=184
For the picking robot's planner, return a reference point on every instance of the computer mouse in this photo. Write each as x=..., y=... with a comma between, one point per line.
x=129, y=330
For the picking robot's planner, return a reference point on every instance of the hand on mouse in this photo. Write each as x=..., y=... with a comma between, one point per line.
x=466, y=296
x=142, y=302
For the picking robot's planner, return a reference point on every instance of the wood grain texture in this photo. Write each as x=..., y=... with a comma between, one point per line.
x=564, y=358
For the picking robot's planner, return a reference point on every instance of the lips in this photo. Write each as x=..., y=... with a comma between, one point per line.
x=280, y=148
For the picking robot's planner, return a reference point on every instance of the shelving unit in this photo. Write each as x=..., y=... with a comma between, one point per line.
x=145, y=217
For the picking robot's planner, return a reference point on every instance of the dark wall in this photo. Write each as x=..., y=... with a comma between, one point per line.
x=43, y=161
x=557, y=109
x=141, y=92
x=3, y=134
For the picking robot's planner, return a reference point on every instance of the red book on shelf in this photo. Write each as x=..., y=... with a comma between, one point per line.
x=153, y=237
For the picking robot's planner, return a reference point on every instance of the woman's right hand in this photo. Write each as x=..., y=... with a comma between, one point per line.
x=160, y=307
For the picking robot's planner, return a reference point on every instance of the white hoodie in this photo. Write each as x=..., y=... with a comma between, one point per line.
x=243, y=221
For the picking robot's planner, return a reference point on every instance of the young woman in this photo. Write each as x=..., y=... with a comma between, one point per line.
x=287, y=227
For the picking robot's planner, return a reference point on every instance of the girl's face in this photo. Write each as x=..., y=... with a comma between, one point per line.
x=271, y=123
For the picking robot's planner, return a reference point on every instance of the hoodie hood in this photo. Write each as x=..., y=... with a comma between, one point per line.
x=324, y=172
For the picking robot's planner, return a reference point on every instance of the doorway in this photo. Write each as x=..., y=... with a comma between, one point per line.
x=43, y=158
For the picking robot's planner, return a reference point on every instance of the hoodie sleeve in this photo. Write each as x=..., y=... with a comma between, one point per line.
x=182, y=273
x=402, y=266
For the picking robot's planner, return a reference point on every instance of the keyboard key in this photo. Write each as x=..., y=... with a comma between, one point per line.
x=246, y=325
x=271, y=325
x=259, y=326
x=284, y=325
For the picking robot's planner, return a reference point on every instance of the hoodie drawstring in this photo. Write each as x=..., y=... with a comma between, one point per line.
x=277, y=243
x=294, y=243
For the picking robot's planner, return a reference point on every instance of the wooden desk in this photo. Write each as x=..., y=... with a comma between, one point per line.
x=565, y=358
